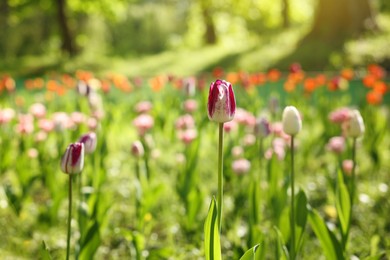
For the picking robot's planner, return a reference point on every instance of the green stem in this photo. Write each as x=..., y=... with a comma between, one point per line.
x=69, y=216
x=292, y=219
x=220, y=176
x=353, y=171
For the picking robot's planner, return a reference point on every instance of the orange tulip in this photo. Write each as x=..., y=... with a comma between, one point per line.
x=369, y=80
x=309, y=85
x=380, y=87
x=274, y=75
x=347, y=74
x=374, y=98
x=289, y=86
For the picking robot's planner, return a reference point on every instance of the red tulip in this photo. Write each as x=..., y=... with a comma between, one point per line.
x=73, y=159
x=221, y=103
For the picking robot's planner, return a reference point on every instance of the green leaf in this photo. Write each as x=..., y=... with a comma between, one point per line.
x=330, y=245
x=254, y=200
x=250, y=254
x=91, y=242
x=300, y=217
x=343, y=205
x=212, y=244
x=376, y=257
x=44, y=252
x=282, y=250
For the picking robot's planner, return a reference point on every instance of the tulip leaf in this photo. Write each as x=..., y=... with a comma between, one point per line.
x=282, y=250
x=44, y=252
x=343, y=204
x=300, y=217
x=91, y=242
x=251, y=253
x=212, y=244
x=328, y=241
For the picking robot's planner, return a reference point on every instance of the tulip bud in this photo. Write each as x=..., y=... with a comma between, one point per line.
x=73, y=159
x=355, y=125
x=221, y=102
x=89, y=141
x=292, y=122
x=262, y=127
x=137, y=149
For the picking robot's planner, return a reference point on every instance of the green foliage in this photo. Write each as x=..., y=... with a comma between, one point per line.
x=212, y=244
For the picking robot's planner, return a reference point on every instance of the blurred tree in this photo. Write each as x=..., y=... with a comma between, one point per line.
x=337, y=20
x=4, y=11
x=286, y=13
x=66, y=36
x=210, y=35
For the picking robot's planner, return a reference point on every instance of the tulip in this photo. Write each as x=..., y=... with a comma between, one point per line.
x=89, y=141
x=73, y=159
x=262, y=127
x=355, y=125
x=241, y=166
x=336, y=144
x=137, y=149
x=292, y=122
x=221, y=102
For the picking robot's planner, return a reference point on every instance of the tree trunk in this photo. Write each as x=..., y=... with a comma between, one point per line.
x=285, y=13
x=337, y=20
x=4, y=11
x=67, y=40
x=210, y=35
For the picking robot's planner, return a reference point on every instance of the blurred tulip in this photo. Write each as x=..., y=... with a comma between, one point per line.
x=262, y=127
x=355, y=126
x=46, y=125
x=189, y=87
x=137, y=149
x=221, y=102
x=89, y=140
x=185, y=122
x=190, y=106
x=188, y=135
x=72, y=161
x=38, y=110
x=340, y=115
x=6, y=115
x=241, y=166
x=143, y=107
x=237, y=151
x=143, y=123
x=336, y=144
x=347, y=167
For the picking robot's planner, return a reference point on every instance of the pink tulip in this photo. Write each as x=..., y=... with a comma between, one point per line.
x=188, y=135
x=6, y=115
x=143, y=107
x=190, y=106
x=336, y=144
x=185, y=122
x=347, y=166
x=38, y=110
x=46, y=125
x=77, y=118
x=73, y=159
x=221, y=102
x=340, y=115
x=241, y=166
x=25, y=124
x=143, y=123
